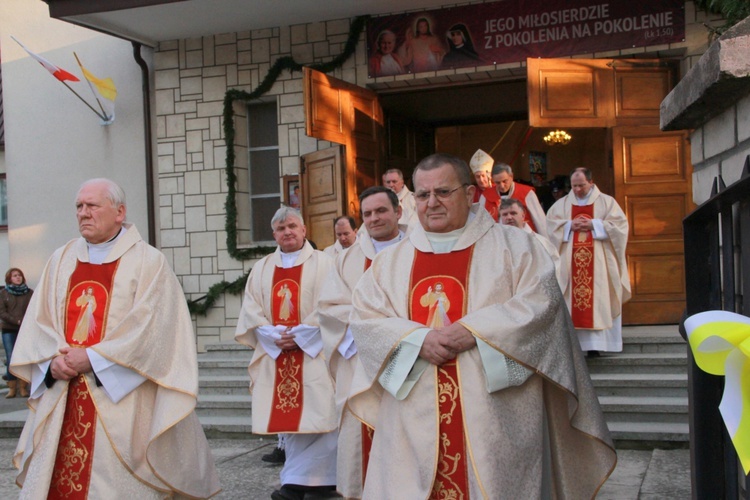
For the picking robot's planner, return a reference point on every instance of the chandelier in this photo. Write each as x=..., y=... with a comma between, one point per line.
x=557, y=138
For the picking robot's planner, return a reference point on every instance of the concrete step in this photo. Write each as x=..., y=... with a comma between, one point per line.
x=229, y=384
x=223, y=367
x=641, y=384
x=654, y=363
x=11, y=423
x=223, y=427
x=227, y=350
x=640, y=409
x=649, y=434
x=653, y=344
x=224, y=405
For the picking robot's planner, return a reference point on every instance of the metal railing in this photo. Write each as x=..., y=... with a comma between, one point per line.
x=717, y=263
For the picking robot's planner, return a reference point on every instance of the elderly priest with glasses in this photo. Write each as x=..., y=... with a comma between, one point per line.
x=466, y=346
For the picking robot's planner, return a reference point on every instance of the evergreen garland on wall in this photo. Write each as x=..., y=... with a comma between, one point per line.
x=203, y=304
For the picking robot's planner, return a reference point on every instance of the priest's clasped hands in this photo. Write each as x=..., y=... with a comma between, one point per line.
x=70, y=363
x=444, y=344
x=581, y=224
x=287, y=342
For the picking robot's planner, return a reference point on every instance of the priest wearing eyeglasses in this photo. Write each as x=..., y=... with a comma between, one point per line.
x=495, y=399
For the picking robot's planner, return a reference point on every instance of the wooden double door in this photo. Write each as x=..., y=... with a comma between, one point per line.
x=650, y=169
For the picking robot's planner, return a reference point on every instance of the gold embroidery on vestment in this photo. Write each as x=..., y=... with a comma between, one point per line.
x=444, y=487
x=75, y=455
x=582, y=290
x=288, y=388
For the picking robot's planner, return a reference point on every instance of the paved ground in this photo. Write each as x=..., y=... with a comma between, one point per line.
x=644, y=475
x=641, y=475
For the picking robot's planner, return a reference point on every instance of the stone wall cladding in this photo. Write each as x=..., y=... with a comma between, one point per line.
x=713, y=102
x=190, y=79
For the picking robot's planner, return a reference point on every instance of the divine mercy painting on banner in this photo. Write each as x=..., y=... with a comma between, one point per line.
x=514, y=30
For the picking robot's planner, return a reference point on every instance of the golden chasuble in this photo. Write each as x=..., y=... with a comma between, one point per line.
x=437, y=299
x=582, y=271
x=286, y=409
x=86, y=308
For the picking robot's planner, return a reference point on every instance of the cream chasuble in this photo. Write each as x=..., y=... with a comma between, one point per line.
x=513, y=306
x=408, y=207
x=335, y=307
x=318, y=409
x=610, y=286
x=138, y=440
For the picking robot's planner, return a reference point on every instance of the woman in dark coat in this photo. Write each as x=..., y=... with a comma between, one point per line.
x=14, y=299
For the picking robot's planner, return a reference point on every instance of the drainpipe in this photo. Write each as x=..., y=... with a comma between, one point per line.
x=146, y=89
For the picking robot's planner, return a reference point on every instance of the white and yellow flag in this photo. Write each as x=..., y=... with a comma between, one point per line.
x=720, y=341
x=104, y=90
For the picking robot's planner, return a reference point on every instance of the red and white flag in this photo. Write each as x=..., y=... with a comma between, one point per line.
x=56, y=71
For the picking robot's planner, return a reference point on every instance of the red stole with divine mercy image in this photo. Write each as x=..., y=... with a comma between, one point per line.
x=86, y=307
x=286, y=408
x=582, y=271
x=438, y=298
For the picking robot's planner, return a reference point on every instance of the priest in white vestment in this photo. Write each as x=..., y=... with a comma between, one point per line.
x=380, y=214
x=113, y=390
x=590, y=231
x=393, y=179
x=496, y=404
x=345, y=232
x=292, y=390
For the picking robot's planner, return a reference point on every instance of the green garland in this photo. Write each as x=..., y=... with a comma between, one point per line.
x=230, y=206
x=236, y=287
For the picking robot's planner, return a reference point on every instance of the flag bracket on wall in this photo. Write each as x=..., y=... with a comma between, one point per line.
x=103, y=89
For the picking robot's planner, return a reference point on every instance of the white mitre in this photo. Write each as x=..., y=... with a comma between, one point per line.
x=481, y=162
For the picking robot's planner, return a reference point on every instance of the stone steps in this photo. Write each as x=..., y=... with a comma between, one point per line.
x=640, y=384
x=224, y=403
x=643, y=391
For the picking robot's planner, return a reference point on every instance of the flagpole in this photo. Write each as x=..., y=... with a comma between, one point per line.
x=48, y=66
x=84, y=101
x=106, y=118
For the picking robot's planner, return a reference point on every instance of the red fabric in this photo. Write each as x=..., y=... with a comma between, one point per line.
x=520, y=192
x=89, y=288
x=286, y=409
x=451, y=479
x=368, y=433
x=582, y=271
x=492, y=203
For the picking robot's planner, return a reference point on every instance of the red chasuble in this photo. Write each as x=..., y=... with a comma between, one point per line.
x=286, y=409
x=492, y=203
x=582, y=271
x=520, y=192
x=437, y=299
x=86, y=308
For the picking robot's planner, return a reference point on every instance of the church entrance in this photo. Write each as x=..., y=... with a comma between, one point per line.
x=611, y=110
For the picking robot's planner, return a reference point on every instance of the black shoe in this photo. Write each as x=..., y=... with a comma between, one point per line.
x=326, y=494
x=285, y=493
x=277, y=456
x=593, y=354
